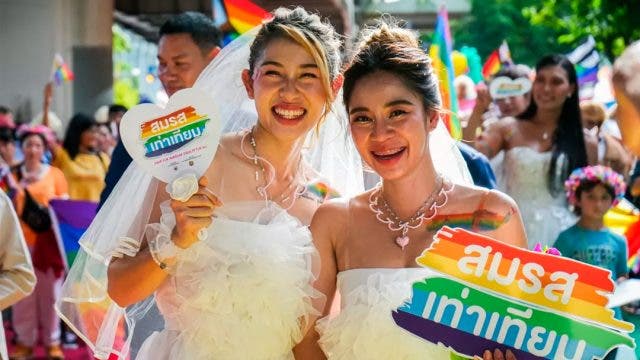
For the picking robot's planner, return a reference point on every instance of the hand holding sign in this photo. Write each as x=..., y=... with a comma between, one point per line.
x=193, y=215
x=504, y=87
x=176, y=144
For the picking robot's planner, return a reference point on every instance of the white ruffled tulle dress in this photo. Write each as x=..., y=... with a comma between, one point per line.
x=364, y=329
x=524, y=178
x=243, y=293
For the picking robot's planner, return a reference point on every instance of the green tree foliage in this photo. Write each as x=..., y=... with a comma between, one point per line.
x=492, y=21
x=613, y=23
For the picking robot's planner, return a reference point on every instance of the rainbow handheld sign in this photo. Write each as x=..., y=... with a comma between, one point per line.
x=175, y=144
x=493, y=295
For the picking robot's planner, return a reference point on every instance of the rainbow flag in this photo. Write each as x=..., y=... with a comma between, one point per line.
x=71, y=218
x=235, y=17
x=492, y=65
x=60, y=71
x=496, y=59
x=440, y=53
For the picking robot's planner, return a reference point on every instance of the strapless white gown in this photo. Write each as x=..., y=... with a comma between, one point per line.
x=525, y=180
x=364, y=328
x=243, y=293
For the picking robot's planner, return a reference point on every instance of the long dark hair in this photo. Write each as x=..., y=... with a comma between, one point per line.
x=569, y=150
x=79, y=123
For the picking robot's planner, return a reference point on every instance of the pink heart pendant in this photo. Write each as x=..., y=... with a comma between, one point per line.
x=402, y=241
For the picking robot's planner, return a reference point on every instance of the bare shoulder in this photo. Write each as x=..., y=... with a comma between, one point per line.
x=511, y=229
x=332, y=213
x=334, y=216
x=508, y=121
x=502, y=126
x=470, y=198
x=499, y=202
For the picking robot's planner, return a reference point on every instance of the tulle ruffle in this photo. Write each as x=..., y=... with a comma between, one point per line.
x=364, y=328
x=244, y=293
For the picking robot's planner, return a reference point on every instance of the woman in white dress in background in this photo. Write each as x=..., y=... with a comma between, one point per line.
x=542, y=146
x=245, y=291
x=368, y=244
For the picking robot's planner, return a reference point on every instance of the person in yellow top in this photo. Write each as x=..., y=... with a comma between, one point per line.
x=83, y=165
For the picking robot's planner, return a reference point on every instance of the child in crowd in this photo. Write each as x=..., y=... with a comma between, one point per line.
x=592, y=191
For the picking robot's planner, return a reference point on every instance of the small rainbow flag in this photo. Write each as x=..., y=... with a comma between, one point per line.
x=496, y=59
x=492, y=65
x=440, y=53
x=60, y=71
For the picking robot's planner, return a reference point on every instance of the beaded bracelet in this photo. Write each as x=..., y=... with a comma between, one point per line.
x=164, y=251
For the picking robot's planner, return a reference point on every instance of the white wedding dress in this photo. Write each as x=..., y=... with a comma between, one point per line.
x=364, y=329
x=243, y=293
x=525, y=180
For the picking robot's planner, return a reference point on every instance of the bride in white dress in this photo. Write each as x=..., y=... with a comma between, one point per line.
x=541, y=148
x=245, y=291
x=368, y=244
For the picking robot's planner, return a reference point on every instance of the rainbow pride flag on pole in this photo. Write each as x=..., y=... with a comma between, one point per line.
x=70, y=219
x=60, y=72
x=440, y=53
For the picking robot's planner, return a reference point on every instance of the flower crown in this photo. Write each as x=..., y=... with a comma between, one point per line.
x=598, y=173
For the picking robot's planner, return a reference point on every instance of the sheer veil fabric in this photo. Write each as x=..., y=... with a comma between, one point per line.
x=121, y=224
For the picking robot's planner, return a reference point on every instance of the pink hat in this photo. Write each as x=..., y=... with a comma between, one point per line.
x=38, y=129
x=6, y=121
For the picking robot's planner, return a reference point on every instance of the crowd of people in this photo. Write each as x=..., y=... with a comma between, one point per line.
x=288, y=264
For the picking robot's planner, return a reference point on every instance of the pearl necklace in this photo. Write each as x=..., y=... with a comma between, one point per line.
x=287, y=194
x=429, y=209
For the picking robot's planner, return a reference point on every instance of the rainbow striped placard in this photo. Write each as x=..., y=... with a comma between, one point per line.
x=472, y=316
x=493, y=295
x=170, y=132
x=554, y=282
